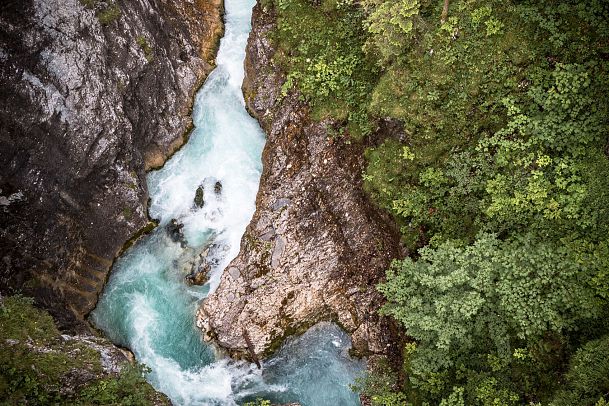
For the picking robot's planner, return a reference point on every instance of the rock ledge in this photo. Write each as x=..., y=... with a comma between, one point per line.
x=316, y=247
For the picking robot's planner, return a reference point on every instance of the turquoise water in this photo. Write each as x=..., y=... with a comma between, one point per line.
x=148, y=307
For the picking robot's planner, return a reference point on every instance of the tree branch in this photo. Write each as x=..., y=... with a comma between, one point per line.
x=445, y=11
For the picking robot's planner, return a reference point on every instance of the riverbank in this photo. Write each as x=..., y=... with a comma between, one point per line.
x=93, y=94
x=316, y=246
x=204, y=198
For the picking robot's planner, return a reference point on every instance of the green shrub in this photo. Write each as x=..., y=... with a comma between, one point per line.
x=36, y=364
x=109, y=14
x=128, y=389
x=491, y=317
x=588, y=375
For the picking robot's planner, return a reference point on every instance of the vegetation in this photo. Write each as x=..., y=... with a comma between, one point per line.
x=39, y=367
x=127, y=213
x=89, y=3
x=321, y=49
x=143, y=44
x=258, y=402
x=109, y=14
x=499, y=186
x=106, y=11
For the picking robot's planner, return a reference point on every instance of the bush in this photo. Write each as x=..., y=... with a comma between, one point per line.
x=588, y=375
x=36, y=365
x=109, y=14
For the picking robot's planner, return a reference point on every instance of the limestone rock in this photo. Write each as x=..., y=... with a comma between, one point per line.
x=92, y=94
x=316, y=246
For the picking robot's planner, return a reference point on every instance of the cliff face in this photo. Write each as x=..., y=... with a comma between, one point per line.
x=92, y=94
x=316, y=246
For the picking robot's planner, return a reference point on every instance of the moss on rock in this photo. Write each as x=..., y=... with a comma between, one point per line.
x=40, y=366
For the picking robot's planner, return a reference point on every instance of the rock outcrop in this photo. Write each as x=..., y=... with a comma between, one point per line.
x=316, y=246
x=92, y=94
x=42, y=366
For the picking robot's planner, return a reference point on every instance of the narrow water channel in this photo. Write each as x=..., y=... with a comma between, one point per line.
x=148, y=307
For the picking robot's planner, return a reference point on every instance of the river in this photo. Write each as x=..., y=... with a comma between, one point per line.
x=147, y=306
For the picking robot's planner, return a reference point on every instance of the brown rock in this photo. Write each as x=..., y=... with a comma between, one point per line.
x=316, y=246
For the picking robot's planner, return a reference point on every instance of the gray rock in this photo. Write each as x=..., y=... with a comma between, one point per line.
x=89, y=100
x=218, y=187
x=200, y=196
x=175, y=230
x=277, y=251
x=280, y=203
x=234, y=273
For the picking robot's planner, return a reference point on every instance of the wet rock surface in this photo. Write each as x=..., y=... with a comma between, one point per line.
x=200, y=275
x=175, y=230
x=316, y=247
x=200, y=196
x=92, y=94
x=206, y=262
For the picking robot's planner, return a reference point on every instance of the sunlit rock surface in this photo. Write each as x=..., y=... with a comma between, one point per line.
x=316, y=247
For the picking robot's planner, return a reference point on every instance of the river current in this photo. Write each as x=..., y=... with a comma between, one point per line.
x=147, y=306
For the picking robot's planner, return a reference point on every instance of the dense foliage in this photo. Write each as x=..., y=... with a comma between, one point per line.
x=39, y=367
x=321, y=49
x=499, y=185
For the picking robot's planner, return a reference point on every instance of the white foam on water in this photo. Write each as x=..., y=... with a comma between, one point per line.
x=146, y=305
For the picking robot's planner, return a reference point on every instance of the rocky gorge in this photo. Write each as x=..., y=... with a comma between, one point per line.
x=316, y=246
x=93, y=93
x=312, y=202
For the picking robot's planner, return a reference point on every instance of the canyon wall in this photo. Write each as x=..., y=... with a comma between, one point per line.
x=93, y=93
x=316, y=247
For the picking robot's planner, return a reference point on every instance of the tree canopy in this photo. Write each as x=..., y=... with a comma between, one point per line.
x=499, y=183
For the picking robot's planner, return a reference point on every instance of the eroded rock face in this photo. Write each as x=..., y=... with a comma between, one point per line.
x=92, y=94
x=316, y=246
